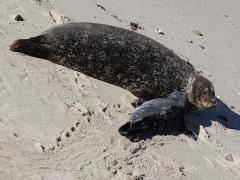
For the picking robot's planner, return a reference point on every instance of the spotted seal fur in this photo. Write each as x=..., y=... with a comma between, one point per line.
x=121, y=57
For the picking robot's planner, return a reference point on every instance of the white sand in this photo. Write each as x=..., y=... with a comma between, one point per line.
x=41, y=101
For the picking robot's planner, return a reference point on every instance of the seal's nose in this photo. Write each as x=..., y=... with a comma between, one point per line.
x=14, y=46
x=214, y=102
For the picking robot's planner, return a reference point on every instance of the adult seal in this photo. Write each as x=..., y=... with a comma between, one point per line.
x=121, y=57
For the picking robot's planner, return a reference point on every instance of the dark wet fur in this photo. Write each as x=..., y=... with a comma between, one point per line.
x=154, y=125
x=167, y=117
x=121, y=57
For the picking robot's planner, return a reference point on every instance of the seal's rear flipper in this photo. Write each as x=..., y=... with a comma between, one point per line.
x=33, y=47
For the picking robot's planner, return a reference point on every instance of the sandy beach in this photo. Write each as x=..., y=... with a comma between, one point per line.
x=59, y=124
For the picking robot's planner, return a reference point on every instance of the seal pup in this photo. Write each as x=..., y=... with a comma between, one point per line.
x=156, y=116
x=121, y=57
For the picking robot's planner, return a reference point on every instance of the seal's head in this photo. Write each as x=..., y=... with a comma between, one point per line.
x=39, y=46
x=202, y=93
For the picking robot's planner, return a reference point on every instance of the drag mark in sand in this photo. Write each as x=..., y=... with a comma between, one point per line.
x=55, y=15
x=133, y=25
x=103, y=8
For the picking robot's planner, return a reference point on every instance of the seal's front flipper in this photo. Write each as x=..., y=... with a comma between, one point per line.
x=33, y=47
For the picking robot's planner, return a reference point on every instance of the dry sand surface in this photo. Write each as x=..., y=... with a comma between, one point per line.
x=56, y=123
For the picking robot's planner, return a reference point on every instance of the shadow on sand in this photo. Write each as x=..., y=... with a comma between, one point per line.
x=222, y=114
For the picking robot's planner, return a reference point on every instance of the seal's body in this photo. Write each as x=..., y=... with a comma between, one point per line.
x=156, y=116
x=118, y=56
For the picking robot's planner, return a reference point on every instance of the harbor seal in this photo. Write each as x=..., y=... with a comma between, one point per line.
x=121, y=57
x=156, y=116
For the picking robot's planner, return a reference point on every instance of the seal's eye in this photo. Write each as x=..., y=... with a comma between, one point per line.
x=205, y=91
